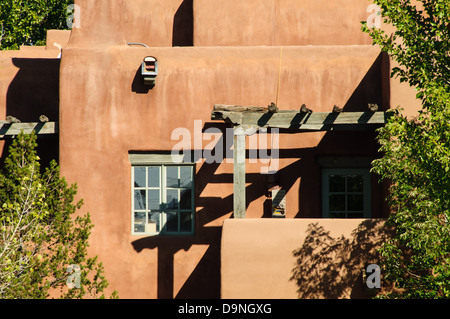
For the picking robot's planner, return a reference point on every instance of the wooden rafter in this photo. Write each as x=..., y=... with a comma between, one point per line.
x=40, y=128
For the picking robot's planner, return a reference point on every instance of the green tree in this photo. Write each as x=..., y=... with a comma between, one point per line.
x=416, y=151
x=24, y=22
x=43, y=246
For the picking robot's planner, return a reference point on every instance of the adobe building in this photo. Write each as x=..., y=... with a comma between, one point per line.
x=154, y=104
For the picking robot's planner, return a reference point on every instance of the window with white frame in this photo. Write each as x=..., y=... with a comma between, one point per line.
x=346, y=193
x=163, y=198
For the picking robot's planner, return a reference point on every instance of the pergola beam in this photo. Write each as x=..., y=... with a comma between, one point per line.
x=40, y=128
x=246, y=119
x=295, y=119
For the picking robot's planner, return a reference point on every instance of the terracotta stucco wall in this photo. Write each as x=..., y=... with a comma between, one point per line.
x=152, y=22
x=280, y=22
x=223, y=23
x=105, y=113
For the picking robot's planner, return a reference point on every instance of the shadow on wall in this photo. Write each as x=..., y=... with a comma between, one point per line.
x=373, y=88
x=204, y=281
x=183, y=25
x=182, y=35
x=333, y=268
x=34, y=91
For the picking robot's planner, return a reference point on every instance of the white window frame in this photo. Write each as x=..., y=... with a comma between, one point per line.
x=162, y=161
x=367, y=192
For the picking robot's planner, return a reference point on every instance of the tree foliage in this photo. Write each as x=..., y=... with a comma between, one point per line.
x=416, y=150
x=331, y=267
x=41, y=240
x=24, y=22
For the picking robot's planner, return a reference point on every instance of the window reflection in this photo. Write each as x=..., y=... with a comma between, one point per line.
x=163, y=199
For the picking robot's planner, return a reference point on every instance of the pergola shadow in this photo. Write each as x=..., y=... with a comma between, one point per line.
x=204, y=281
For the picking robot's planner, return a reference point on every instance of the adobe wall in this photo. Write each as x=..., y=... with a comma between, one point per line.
x=233, y=56
x=106, y=112
x=152, y=22
x=280, y=22
x=223, y=23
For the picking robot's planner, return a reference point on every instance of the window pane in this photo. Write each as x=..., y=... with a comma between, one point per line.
x=172, y=176
x=185, y=201
x=172, y=222
x=139, y=199
x=185, y=222
x=160, y=192
x=355, y=183
x=172, y=199
x=337, y=203
x=336, y=183
x=153, y=225
x=153, y=176
x=139, y=176
x=355, y=202
x=139, y=222
x=153, y=199
x=185, y=176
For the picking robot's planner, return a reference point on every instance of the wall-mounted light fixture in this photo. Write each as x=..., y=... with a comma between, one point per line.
x=278, y=203
x=149, y=70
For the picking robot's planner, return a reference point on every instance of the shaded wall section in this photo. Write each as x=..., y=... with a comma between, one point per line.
x=29, y=87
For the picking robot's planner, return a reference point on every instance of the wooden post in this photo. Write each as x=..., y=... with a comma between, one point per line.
x=239, y=174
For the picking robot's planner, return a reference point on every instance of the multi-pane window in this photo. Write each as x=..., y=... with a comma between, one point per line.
x=346, y=193
x=163, y=199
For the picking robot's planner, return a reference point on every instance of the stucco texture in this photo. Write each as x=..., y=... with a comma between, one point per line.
x=107, y=112
x=291, y=52
x=279, y=22
x=300, y=258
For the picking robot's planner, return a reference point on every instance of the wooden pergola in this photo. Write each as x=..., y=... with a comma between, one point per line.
x=246, y=120
x=8, y=129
